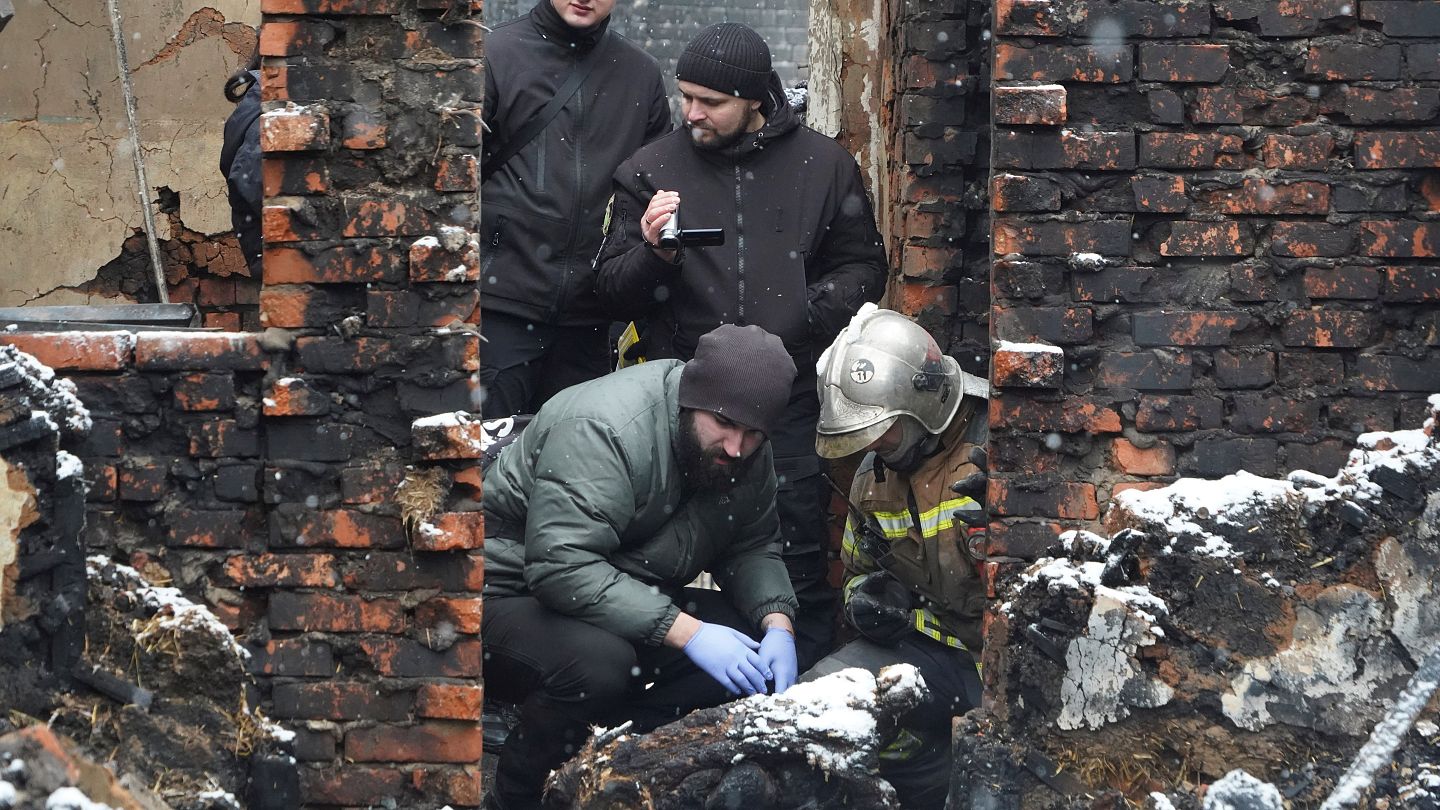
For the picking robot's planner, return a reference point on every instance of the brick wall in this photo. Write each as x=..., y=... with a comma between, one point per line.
x=1222, y=212
x=934, y=198
x=664, y=29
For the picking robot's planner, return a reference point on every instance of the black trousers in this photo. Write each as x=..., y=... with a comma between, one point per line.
x=917, y=763
x=567, y=674
x=524, y=363
x=803, y=501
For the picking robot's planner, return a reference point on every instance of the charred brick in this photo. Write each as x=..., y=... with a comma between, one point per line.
x=1145, y=371
x=1244, y=369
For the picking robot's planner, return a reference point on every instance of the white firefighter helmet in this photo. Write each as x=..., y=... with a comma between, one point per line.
x=883, y=366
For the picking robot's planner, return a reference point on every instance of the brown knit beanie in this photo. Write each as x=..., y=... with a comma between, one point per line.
x=727, y=57
x=742, y=373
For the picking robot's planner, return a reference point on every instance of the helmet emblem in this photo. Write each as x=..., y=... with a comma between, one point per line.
x=862, y=371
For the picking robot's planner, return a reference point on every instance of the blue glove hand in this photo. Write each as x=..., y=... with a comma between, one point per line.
x=777, y=654
x=728, y=656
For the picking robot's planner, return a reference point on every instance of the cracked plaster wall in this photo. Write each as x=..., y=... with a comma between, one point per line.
x=68, y=196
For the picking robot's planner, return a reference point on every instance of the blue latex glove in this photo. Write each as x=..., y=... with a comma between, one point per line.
x=728, y=656
x=777, y=654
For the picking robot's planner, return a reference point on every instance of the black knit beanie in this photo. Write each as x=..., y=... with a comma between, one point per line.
x=729, y=58
x=740, y=372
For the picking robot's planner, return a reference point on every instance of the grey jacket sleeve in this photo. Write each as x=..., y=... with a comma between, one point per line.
x=851, y=258
x=752, y=571
x=581, y=502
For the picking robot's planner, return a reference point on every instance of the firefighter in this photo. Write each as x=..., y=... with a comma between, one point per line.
x=914, y=538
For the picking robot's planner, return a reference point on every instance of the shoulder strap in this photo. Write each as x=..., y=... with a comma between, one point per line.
x=542, y=119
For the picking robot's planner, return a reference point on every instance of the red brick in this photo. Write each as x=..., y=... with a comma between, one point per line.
x=1297, y=151
x=349, y=786
x=312, y=612
x=1256, y=196
x=1255, y=413
x=1164, y=194
x=1043, y=104
x=1072, y=415
x=337, y=7
x=385, y=217
x=1217, y=105
x=1146, y=371
x=288, y=307
x=294, y=396
x=1396, y=239
x=1183, y=63
x=205, y=392
x=925, y=263
x=216, y=292
x=1015, y=192
x=1014, y=366
x=1347, y=60
x=75, y=351
x=434, y=741
x=295, y=37
x=449, y=701
x=364, y=130
x=431, y=262
x=224, y=321
x=457, y=173
x=1030, y=18
x=1369, y=105
x=370, y=484
x=205, y=529
x=1117, y=285
x=392, y=309
x=1412, y=149
x=340, y=701
x=352, y=264
x=1191, y=150
x=1285, y=18
x=293, y=174
x=462, y=615
x=296, y=130
x=1358, y=283
x=408, y=571
x=1025, y=541
x=183, y=351
x=1329, y=329
x=1412, y=284
x=1055, y=325
x=1105, y=237
x=1207, y=239
x=281, y=571
x=292, y=658
x=341, y=528
x=1064, y=149
x=222, y=438
x=449, y=786
x=450, y=531
x=1166, y=413
x=1132, y=460
x=457, y=438
x=469, y=480
x=1137, y=486
x=1057, y=499
x=921, y=299
x=1311, y=239
x=143, y=481
x=103, y=481
x=1057, y=63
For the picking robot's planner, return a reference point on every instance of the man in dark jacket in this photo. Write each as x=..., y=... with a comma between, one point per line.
x=240, y=162
x=544, y=205
x=616, y=495
x=801, y=255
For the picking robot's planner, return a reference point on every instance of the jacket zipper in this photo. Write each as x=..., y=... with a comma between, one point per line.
x=739, y=248
x=578, y=145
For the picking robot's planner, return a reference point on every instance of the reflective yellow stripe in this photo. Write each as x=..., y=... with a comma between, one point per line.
x=894, y=524
x=932, y=521
x=927, y=624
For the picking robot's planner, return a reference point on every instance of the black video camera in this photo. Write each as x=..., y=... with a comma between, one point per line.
x=673, y=237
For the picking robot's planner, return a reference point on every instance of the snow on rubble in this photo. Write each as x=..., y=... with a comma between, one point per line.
x=57, y=396
x=172, y=611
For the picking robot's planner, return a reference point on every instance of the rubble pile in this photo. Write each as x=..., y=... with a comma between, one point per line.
x=1245, y=624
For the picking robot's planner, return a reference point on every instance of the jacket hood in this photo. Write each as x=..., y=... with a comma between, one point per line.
x=780, y=120
x=553, y=26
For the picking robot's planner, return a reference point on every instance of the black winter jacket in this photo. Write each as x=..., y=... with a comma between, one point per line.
x=240, y=163
x=801, y=254
x=541, y=212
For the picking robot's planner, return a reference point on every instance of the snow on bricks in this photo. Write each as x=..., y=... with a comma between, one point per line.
x=1027, y=365
x=1222, y=625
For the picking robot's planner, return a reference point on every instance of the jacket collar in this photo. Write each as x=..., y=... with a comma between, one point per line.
x=553, y=27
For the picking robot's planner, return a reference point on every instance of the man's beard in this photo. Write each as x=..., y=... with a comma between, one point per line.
x=720, y=141
x=701, y=467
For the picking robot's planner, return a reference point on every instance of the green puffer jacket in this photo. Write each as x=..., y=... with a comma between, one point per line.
x=609, y=531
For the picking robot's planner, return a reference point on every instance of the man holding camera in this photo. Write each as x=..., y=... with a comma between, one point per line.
x=914, y=543
x=615, y=496
x=801, y=254
x=565, y=101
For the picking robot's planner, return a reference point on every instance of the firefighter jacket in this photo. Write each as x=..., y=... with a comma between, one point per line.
x=588, y=512
x=929, y=549
x=801, y=251
x=540, y=225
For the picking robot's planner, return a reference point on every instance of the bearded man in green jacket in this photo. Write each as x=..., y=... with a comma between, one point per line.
x=617, y=495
